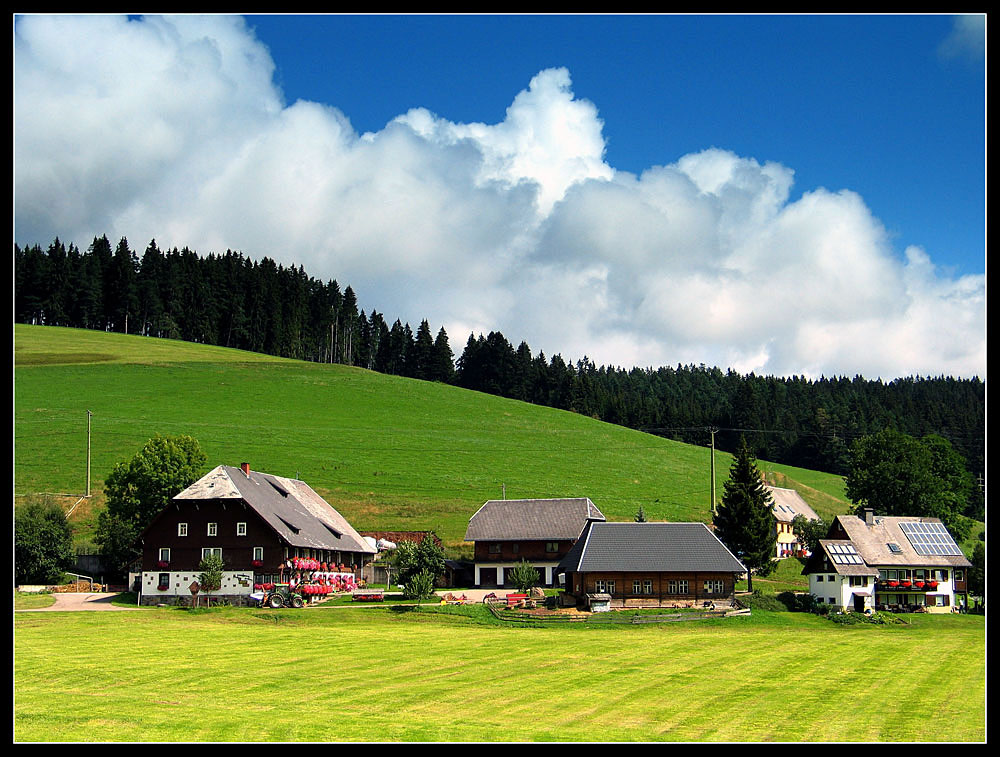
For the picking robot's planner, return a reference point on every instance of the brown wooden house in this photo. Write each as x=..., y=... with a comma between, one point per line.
x=257, y=523
x=650, y=565
x=541, y=531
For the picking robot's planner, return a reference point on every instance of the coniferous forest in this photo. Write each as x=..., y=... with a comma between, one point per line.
x=233, y=301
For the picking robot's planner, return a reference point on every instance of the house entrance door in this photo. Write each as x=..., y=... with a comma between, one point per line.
x=488, y=578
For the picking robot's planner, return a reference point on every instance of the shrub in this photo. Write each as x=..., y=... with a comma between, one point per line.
x=419, y=586
x=760, y=600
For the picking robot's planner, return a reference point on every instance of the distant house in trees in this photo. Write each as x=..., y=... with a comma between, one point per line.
x=541, y=531
x=257, y=523
x=786, y=504
x=651, y=565
x=891, y=563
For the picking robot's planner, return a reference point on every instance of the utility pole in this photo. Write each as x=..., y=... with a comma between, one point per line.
x=88, y=452
x=713, y=430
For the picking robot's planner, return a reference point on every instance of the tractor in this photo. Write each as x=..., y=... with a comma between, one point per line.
x=281, y=596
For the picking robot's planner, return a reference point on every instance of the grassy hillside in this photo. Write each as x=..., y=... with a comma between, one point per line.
x=388, y=452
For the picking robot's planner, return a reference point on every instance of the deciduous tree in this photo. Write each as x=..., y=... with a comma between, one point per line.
x=896, y=474
x=43, y=543
x=139, y=488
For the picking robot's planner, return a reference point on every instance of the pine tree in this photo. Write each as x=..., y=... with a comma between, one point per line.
x=744, y=521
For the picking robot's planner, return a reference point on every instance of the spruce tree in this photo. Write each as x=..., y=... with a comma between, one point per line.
x=744, y=521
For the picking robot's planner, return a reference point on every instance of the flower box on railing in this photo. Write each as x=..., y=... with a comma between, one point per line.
x=931, y=585
x=163, y=564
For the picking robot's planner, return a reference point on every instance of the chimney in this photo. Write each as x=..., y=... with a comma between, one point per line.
x=245, y=467
x=869, y=517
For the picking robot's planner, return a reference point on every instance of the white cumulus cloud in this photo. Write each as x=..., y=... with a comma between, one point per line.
x=173, y=128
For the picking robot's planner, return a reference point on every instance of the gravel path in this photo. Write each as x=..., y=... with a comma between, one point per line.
x=76, y=602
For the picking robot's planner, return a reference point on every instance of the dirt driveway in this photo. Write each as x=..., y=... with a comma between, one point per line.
x=67, y=602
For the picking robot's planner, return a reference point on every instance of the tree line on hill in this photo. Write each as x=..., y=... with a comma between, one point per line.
x=261, y=306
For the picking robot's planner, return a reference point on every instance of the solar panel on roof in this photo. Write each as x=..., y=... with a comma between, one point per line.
x=844, y=554
x=930, y=538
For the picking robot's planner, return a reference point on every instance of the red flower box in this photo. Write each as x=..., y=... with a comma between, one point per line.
x=257, y=563
x=162, y=564
x=893, y=584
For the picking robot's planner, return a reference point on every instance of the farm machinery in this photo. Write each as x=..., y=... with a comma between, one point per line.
x=277, y=596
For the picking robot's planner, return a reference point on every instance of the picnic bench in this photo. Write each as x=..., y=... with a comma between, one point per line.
x=367, y=595
x=514, y=599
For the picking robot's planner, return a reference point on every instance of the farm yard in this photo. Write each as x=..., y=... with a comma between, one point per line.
x=393, y=673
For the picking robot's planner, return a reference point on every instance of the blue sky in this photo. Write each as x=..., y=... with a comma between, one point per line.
x=868, y=103
x=780, y=194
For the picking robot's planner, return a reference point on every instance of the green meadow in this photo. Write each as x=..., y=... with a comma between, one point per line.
x=455, y=674
x=388, y=452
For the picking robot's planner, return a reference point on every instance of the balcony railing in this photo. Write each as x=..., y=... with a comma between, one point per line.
x=910, y=585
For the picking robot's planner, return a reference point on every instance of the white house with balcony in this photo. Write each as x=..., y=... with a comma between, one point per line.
x=900, y=564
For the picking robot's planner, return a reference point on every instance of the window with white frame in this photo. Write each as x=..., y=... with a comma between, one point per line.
x=637, y=587
x=208, y=551
x=611, y=587
x=241, y=529
x=713, y=586
x=648, y=586
x=182, y=529
x=601, y=586
x=258, y=553
x=213, y=529
x=164, y=554
x=677, y=586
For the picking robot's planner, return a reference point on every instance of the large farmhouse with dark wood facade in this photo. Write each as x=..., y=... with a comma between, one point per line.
x=650, y=565
x=257, y=523
x=541, y=531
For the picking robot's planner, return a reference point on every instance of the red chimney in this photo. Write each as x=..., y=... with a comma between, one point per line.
x=245, y=467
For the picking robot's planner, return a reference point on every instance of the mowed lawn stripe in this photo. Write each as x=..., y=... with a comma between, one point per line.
x=386, y=675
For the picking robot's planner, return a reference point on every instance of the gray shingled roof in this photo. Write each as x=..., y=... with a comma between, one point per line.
x=531, y=519
x=297, y=513
x=654, y=547
x=787, y=503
